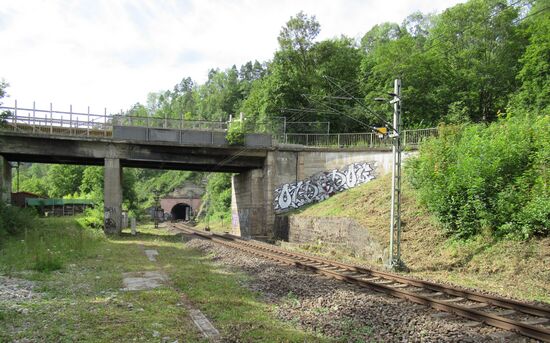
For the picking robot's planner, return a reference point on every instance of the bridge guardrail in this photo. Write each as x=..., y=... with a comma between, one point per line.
x=101, y=125
x=89, y=124
x=410, y=138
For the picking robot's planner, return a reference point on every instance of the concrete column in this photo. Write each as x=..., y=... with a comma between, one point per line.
x=112, y=196
x=5, y=180
x=248, y=204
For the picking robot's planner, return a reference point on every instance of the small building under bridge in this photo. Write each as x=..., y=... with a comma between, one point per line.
x=58, y=207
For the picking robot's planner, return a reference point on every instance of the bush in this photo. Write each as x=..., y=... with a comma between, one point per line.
x=235, y=133
x=14, y=220
x=476, y=177
x=218, y=196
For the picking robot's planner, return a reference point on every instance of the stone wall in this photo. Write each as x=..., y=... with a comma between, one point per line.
x=344, y=233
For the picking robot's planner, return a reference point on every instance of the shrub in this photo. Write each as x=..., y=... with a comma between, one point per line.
x=14, y=220
x=235, y=133
x=476, y=177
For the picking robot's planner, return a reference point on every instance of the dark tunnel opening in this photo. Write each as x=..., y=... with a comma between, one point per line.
x=181, y=211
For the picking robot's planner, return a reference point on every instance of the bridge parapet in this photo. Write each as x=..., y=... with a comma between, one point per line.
x=72, y=123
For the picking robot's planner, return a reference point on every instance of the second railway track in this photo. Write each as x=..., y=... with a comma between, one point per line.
x=523, y=318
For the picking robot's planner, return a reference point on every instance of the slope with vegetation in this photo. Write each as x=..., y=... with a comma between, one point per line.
x=476, y=208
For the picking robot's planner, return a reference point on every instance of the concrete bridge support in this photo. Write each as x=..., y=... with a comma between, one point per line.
x=248, y=204
x=112, y=196
x=5, y=180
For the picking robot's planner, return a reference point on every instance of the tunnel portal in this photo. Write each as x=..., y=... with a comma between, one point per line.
x=181, y=211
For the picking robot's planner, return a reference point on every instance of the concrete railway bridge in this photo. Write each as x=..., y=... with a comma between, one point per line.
x=270, y=177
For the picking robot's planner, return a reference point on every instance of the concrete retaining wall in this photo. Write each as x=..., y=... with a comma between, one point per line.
x=344, y=233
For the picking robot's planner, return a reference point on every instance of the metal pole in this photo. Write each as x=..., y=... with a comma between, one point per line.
x=71, y=120
x=395, y=216
x=33, y=118
x=15, y=115
x=105, y=122
x=88, y=124
x=51, y=118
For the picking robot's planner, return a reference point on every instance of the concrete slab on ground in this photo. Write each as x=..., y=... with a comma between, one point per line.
x=139, y=281
x=152, y=255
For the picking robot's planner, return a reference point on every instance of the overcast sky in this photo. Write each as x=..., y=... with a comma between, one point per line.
x=107, y=53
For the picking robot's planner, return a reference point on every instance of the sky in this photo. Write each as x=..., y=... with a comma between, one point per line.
x=111, y=54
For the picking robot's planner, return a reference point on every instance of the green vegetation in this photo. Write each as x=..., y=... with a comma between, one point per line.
x=14, y=220
x=492, y=178
x=43, y=244
x=218, y=198
x=235, y=133
x=515, y=268
x=83, y=301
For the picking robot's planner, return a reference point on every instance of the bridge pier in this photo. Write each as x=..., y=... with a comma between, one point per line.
x=112, y=196
x=5, y=180
x=248, y=204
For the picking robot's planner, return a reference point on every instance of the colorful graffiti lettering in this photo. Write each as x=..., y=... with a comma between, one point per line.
x=321, y=186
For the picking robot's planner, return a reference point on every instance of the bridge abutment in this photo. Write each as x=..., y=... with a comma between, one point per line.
x=112, y=196
x=5, y=180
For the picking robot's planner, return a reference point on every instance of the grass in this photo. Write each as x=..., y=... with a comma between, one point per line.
x=512, y=268
x=81, y=298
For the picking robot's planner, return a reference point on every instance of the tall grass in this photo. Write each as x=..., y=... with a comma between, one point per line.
x=48, y=245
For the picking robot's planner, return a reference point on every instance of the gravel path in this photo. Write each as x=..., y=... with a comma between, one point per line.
x=16, y=290
x=345, y=312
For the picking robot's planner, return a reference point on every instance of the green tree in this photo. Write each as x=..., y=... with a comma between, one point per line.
x=534, y=75
x=63, y=180
x=218, y=195
x=479, y=43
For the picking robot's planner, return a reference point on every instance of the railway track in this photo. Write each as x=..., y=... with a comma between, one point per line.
x=523, y=318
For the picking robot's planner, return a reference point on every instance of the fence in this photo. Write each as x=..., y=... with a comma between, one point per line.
x=88, y=124
x=101, y=125
x=410, y=138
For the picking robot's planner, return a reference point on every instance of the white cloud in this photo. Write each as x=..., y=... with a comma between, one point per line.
x=112, y=53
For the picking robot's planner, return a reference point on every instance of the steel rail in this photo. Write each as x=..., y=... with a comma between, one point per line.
x=450, y=290
x=288, y=258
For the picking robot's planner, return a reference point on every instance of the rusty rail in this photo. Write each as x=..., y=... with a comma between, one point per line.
x=395, y=285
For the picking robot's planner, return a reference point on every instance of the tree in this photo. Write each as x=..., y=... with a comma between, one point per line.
x=64, y=180
x=4, y=114
x=534, y=75
x=480, y=43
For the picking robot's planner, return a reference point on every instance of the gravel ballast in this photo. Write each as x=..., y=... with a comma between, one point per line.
x=346, y=312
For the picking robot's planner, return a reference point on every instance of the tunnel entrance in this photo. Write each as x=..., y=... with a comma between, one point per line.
x=181, y=211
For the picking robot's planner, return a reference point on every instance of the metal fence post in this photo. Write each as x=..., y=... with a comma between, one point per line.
x=33, y=115
x=71, y=120
x=51, y=118
x=105, y=122
x=88, y=123
x=15, y=115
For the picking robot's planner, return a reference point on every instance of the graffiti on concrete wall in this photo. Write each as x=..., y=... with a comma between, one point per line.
x=321, y=186
x=108, y=220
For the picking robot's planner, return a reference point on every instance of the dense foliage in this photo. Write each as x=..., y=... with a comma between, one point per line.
x=14, y=220
x=491, y=178
x=218, y=197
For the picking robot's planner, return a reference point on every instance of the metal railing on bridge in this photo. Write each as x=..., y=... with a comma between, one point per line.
x=410, y=138
x=71, y=123
x=74, y=123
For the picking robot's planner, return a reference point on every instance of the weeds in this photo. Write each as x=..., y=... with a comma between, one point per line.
x=47, y=246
